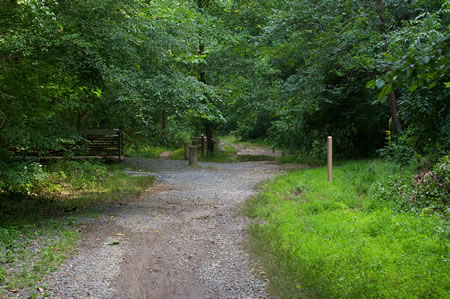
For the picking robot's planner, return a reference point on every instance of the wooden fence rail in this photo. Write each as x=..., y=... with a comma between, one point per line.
x=104, y=143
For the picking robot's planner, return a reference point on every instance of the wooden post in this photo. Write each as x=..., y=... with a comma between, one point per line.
x=193, y=155
x=202, y=147
x=330, y=158
x=186, y=150
x=120, y=133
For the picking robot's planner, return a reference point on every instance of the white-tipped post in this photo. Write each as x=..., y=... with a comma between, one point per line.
x=330, y=158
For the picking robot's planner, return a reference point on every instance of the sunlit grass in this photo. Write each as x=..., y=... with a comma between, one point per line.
x=331, y=240
x=149, y=152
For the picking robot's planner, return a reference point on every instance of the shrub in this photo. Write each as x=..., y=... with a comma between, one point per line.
x=427, y=191
x=20, y=177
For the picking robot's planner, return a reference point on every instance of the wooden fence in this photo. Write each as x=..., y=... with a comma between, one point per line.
x=104, y=143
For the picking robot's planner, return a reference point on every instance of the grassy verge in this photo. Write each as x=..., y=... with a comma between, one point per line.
x=320, y=239
x=38, y=230
x=177, y=154
x=149, y=152
x=221, y=157
x=299, y=159
x=230, y=139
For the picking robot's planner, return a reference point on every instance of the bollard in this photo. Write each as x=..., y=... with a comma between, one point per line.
x=192, y=155
x=186, y=150
x=330, y=158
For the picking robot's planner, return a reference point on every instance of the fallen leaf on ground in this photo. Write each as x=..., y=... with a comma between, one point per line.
x=112, y=243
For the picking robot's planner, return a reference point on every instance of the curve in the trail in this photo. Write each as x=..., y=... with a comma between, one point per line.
x=181, y=239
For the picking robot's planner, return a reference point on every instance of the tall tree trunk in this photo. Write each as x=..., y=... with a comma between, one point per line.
x=209, y=137
x=202, y=4
x=392, y=95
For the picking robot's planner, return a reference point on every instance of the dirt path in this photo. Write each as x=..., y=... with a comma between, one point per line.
x=255, y=150
x=165, y=155
x=182, y=239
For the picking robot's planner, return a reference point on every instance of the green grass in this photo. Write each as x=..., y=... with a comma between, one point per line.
x=300, y=159
x=222, y=157
x=29, y=250
x=38, y=230
x=320, y=239
x=177, y=154
x=149, y=152
x=249, y=144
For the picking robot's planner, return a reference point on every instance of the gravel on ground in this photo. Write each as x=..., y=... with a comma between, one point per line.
x=182, y=238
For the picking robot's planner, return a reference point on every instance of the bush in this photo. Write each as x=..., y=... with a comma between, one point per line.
x=427, y=191
x=20, y=177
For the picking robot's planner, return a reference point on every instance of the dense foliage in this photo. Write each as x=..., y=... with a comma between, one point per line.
x=74, y=65
x=314, y=59
x=374, y=74
x=291, y=72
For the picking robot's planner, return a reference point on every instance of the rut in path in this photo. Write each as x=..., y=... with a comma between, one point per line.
x=181, y=239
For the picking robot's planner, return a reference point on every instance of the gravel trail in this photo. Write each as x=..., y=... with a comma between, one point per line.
x=181, y=239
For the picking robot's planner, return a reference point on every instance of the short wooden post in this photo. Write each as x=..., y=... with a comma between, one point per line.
x=193, y=155
x=330, y=158
x=186, y=150
x=202, y=145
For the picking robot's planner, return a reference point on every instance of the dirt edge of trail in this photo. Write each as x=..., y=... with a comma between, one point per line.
x=182, y=238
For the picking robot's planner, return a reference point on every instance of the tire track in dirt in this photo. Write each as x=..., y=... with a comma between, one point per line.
x=181, y=239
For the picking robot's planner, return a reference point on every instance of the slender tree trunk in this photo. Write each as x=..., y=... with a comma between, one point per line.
x=209, y=137
x=392, y=95
x=201, y=50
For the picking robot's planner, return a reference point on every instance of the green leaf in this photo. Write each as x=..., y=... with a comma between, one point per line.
x=380, y=83
x=112, y=243
x=370, y=84
x=413, y=88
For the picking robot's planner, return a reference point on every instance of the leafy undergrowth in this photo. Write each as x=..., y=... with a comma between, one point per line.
x=177, y=154
x=31, y=249
x=82, y=184
x=39, y=229
x=320, y=239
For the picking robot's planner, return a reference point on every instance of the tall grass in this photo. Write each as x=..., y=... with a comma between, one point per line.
x=323, y=239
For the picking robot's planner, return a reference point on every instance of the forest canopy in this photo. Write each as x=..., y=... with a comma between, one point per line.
x=290, y=72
